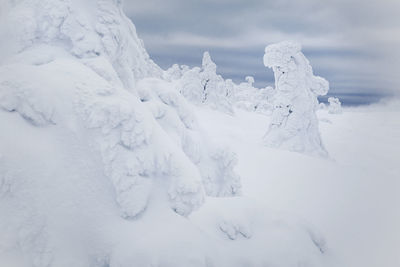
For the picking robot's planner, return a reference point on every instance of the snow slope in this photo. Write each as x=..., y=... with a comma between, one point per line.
x=353, y=198
x=102, y=163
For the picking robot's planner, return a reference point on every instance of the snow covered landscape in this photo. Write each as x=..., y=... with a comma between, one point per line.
x=109, y=160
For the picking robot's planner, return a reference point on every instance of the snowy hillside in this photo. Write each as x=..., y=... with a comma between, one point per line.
x=107, y=160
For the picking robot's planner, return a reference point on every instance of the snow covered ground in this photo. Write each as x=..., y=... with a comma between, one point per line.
x=353, y=198
x=105, y=163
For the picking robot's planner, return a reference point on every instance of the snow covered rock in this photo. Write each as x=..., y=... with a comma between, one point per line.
x=294, y=125
x=335, y=107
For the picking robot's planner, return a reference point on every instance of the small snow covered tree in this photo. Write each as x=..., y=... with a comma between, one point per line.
x=191, y=86
x=230, y=89
x=203, y=85
x=213, y=84
x=294, y=125
x=264, y=100
x=245, y=94
x=173, y=73
x=250, y=80
x=322, y=106
x=335, y=107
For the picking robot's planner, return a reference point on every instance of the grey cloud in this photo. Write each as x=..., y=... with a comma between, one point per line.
x=352, y=43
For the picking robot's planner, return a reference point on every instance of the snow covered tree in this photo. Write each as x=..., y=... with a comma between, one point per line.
x=205, y=86
x=335, y=107
x=264, y=100
x=215, y=163
x=294, y=125
x=102, y=61
x=250, y=80
x=173, y=73
x=191, y=87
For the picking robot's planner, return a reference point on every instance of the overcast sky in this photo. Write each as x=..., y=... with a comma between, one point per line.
x=352, y=43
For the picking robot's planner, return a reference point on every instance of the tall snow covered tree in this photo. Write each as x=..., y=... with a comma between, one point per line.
x=294, y=124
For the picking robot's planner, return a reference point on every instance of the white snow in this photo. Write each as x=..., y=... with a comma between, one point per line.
x=294, y=124
x=106, y=160
x=335, y=107
x=352, y=198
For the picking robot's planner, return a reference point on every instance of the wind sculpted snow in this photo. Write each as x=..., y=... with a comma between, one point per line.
x=103, y=160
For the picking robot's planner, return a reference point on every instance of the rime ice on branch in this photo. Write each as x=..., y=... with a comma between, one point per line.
x=294, y=123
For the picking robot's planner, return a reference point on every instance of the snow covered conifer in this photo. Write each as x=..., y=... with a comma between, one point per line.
x=214, y=86
x=294, y=124
x=335, y=107
x=250, y=80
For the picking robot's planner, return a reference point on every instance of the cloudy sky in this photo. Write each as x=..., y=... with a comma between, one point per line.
x=352, y=43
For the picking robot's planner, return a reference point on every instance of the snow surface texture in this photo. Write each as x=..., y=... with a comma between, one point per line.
x=353, y=199
x=294, y=125
x=100, y=155
x=335, y=107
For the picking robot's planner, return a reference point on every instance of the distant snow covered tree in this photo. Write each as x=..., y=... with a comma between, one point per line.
x=264, y=100
x=173, y=73
x=191, y=87
x=230, y=89
x=203, y=85
x=294, y=124
x=335, y=107
x=246, y=95
x=322, y=106
x=214, y=86
x=250, y=80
